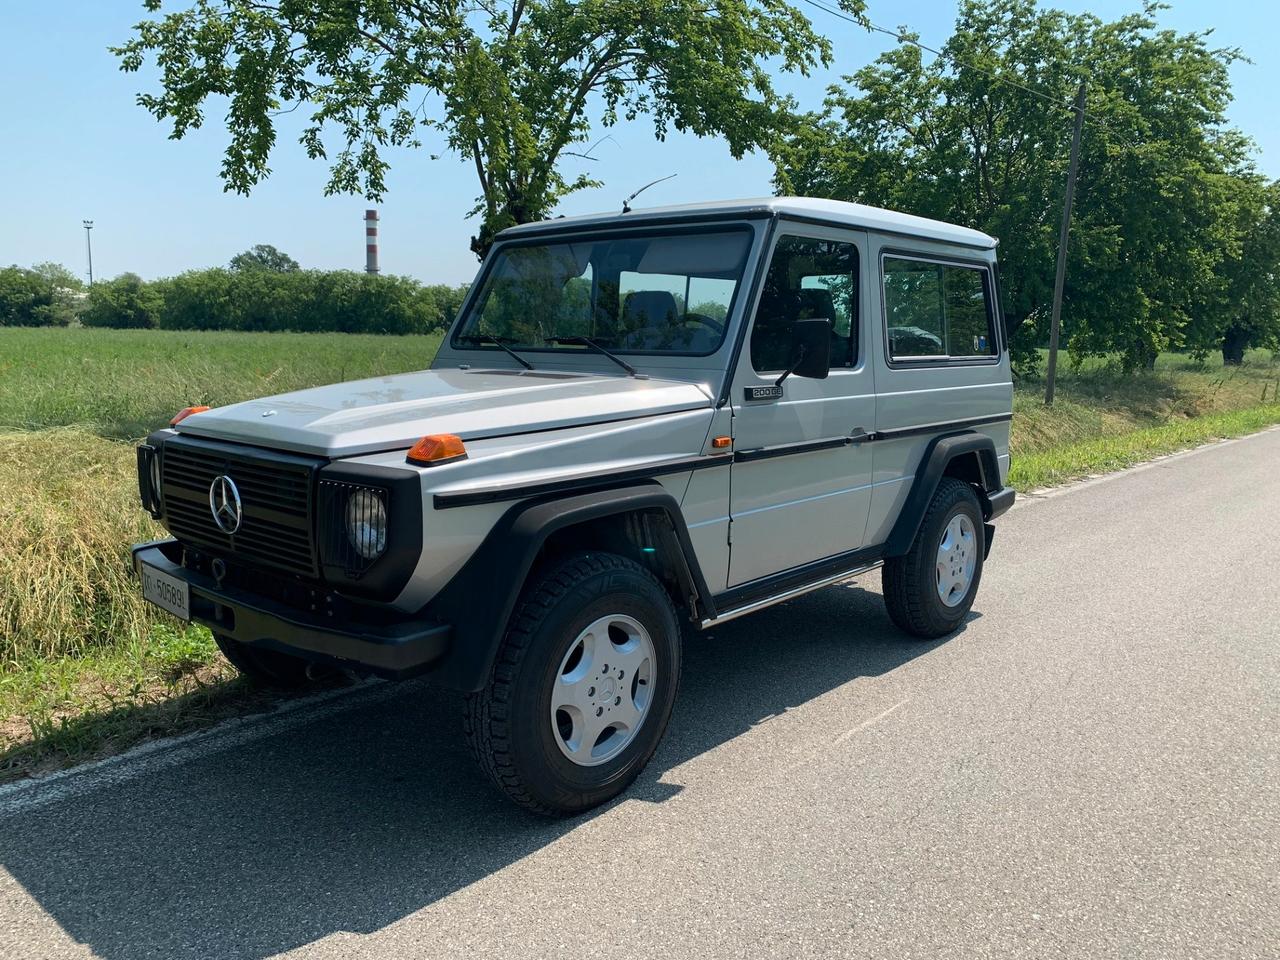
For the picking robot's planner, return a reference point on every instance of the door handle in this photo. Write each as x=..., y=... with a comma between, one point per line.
x=858, y=435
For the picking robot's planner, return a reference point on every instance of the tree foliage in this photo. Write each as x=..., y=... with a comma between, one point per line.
x=127, y=301
x=28, y=299
x=268, y=300
x=511, y=85
x=959, y=138
x=263, y=256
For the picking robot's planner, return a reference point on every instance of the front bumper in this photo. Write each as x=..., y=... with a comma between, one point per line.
x=386, y=646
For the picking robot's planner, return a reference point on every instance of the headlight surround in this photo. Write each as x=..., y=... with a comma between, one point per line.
x=366, y=516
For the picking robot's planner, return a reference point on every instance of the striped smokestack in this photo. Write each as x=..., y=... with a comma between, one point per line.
x=371, y=241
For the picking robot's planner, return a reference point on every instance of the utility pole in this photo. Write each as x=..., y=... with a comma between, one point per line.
x=88, y=246
x=1055, y=323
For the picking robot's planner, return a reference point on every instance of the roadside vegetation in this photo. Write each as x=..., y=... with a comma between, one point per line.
x=87, y=668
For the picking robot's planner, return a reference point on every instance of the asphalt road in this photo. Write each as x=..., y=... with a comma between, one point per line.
x=1088, y=769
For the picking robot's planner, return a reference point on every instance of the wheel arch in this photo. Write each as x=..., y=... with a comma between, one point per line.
x=642, y=522
x=967, y=456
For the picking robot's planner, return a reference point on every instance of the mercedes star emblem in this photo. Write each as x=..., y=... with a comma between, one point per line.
x=224, y=504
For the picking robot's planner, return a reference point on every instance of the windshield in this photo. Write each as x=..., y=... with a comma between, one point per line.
x=653, y=293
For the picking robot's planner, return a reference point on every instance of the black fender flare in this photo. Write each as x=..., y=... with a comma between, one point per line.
x=480, y=598
x=933, y=464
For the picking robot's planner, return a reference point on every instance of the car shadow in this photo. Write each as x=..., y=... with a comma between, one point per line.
x=358, y=819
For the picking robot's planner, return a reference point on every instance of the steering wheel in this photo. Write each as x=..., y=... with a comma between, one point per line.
x=713, y=325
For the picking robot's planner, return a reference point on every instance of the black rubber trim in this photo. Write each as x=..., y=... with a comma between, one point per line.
x=590, y=481
x=940, y=451
x=795, y=577
x=809, y=446
x=899, y=432
x=788, y=449
x=392, y=647
x=480, y=598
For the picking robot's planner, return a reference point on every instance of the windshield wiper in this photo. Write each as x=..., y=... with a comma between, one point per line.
x=588, y=342
x=500, y=342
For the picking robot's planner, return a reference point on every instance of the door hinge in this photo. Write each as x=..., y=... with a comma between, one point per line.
x=729, y=532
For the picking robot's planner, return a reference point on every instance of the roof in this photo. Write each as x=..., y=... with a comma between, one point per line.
x=835, y=212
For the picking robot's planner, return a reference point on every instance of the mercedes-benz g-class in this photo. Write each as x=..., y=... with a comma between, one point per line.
x=639, y=422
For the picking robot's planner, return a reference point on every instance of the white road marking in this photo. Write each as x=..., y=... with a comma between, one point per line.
x=825, y=750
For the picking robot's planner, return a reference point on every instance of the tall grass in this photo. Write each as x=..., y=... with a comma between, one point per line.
x=125, y=383
x=68, y=513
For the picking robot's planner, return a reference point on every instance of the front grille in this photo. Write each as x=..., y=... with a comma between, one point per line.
x=275, y=495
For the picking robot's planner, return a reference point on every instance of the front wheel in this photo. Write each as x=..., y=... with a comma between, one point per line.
x=582, y=687
x=929, y=591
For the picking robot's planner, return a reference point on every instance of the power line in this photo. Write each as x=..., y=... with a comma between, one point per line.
x=902, y=36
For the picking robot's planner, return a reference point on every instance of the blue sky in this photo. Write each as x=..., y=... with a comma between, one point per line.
x=75, y=146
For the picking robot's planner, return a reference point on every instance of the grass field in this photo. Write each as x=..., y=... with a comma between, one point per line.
x=86, y=667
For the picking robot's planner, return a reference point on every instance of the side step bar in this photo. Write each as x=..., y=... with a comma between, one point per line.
x=754, y=605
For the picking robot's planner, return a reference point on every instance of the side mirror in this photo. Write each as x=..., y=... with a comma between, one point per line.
x=810, y=350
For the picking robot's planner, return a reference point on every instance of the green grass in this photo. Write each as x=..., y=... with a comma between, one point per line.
x=125, y=383
x=1105, y=454
x=87, y=668
x=1104, y=419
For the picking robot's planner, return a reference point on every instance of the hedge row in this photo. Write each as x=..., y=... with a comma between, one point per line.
x=263, y=300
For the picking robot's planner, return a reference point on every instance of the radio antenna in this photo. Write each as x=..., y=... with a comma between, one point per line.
x=626, y=204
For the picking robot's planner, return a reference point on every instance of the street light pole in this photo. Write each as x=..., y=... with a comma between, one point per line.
x=88, y=246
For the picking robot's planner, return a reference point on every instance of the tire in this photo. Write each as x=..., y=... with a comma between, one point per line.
x=532, y=726
x=914, y=583
x=264, y=668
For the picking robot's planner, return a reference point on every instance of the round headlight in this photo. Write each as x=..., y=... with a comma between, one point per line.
x=367, y=523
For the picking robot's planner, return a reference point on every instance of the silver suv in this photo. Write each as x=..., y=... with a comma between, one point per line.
x=638, y=422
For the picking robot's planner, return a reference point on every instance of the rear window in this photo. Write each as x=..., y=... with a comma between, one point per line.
x=937, y=311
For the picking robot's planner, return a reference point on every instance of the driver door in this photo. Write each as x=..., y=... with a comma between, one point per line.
x=800, y=490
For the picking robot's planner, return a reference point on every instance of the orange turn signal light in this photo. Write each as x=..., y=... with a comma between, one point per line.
x=184, y=413
x=721, y=443
x=436, y=448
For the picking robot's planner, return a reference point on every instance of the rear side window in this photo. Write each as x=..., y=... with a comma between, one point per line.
x=937, y=310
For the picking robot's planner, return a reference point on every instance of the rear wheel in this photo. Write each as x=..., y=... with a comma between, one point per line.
x=264, y=668
x=930, y=591
x=582, y=686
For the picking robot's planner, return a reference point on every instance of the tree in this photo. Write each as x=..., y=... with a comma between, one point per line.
x=125, y=302
x=511, y=85
x=960, y=137
x=68, y=290
x=264, y=256
x=1246, y=313
x=27, y=299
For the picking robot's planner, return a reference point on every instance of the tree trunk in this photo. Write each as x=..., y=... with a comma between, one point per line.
x=1234, y=342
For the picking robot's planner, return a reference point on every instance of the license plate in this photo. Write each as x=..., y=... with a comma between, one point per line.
x=166, y=592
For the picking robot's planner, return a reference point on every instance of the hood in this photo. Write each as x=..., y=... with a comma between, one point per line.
x=389, y=413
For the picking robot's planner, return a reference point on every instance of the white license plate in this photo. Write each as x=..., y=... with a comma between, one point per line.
x=166, y=592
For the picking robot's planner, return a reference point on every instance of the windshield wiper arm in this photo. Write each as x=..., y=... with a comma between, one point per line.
x=501, y=343
x=588, y=342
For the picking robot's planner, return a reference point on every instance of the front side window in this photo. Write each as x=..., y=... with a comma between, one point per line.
x=668, y=293
x=807, y=279
x=937, y=310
